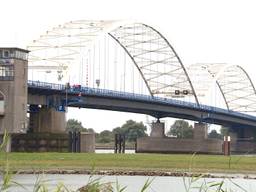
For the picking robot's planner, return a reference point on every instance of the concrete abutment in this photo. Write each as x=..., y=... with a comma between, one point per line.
x=159, y=143
x=47, y=120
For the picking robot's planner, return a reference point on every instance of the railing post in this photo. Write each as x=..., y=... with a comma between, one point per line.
x=123, y=143
x=70, y=141
x=116, y=143
x=226, y=145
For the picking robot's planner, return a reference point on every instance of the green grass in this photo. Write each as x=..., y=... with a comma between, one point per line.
x=131, y=162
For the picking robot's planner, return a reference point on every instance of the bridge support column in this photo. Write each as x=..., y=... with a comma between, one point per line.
x=244, y=132
x=157, y=129
x=233, y=136
x=242, y=139
x=48, y=120
x=200, y=131
x=249, y=133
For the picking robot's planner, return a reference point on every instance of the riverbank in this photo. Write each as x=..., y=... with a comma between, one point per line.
x=132, y=164
x=139, y=173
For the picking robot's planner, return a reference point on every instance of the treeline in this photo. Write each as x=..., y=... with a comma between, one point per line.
x=133, y=130
x=182, y=129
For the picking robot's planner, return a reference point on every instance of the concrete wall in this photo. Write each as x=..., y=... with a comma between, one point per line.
x=199, y=143
x=87, y=142
x=41, y=142
x=173, y=145
x=200, y=131
x=48, y=120
x=243, y=147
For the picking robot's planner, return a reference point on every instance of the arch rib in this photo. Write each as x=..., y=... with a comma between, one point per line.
x=229, y=102
x=234, y=83
x=184, y=69
x=128, y=53
x=153, y=78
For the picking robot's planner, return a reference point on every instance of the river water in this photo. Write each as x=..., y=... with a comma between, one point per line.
x=133, y=183
x=112, y=151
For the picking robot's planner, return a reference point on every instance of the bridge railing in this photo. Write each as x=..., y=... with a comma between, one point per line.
x=45, y=85
x=135, y=96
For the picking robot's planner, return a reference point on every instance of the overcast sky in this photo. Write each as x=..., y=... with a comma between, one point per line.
x=199, y=30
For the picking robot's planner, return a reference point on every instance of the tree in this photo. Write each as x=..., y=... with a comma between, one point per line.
x=105, y=136
x=132, y=130
x=75, y=125
x=118, y=130
x=181, y=129
x=214, y=135
x=224, y=131
x=90, y=130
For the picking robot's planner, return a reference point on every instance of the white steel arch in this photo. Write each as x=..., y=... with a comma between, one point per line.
x=59, y=47
x=233, y=81
x=156, y=60
x=154, y=57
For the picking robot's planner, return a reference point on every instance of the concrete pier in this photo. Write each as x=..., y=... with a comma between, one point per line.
x=200, y=131
x=87, y=142
x=48, y=120
x=157, y=130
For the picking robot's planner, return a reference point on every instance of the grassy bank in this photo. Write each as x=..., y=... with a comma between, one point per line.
x=131, y=162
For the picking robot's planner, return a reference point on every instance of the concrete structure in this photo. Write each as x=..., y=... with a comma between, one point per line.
x=35, y=142
x=87, y=142
x=92, y=98
x=173, y=145
x=199, y=144
x=157, y=130
x=200, y=131
x=47, y=120
x=119, y=101
x=13, y=88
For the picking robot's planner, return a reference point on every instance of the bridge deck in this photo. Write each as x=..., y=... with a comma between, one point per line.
x=36, y=87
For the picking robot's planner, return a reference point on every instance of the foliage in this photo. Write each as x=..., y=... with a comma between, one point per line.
x=181, y=129
x=131, y=129
x=224, y=131
x=215, y=135
x=75, y=125
x=105, y=136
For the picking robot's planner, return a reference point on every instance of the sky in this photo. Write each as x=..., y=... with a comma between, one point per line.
x=200, y=31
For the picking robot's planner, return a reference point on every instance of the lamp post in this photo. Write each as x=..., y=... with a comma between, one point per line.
x=66, y=104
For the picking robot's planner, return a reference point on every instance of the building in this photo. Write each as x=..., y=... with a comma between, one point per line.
x=13, y=90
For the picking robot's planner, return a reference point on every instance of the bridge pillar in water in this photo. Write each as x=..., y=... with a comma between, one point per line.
x=200, y=131
x=13, y=90
x=157, y=129
x=48, y=120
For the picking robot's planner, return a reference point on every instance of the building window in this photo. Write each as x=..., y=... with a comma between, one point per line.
x=6, y=54
x=6, y=72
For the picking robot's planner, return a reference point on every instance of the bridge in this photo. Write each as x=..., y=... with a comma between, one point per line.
x=120, y=66
x=158, y=107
